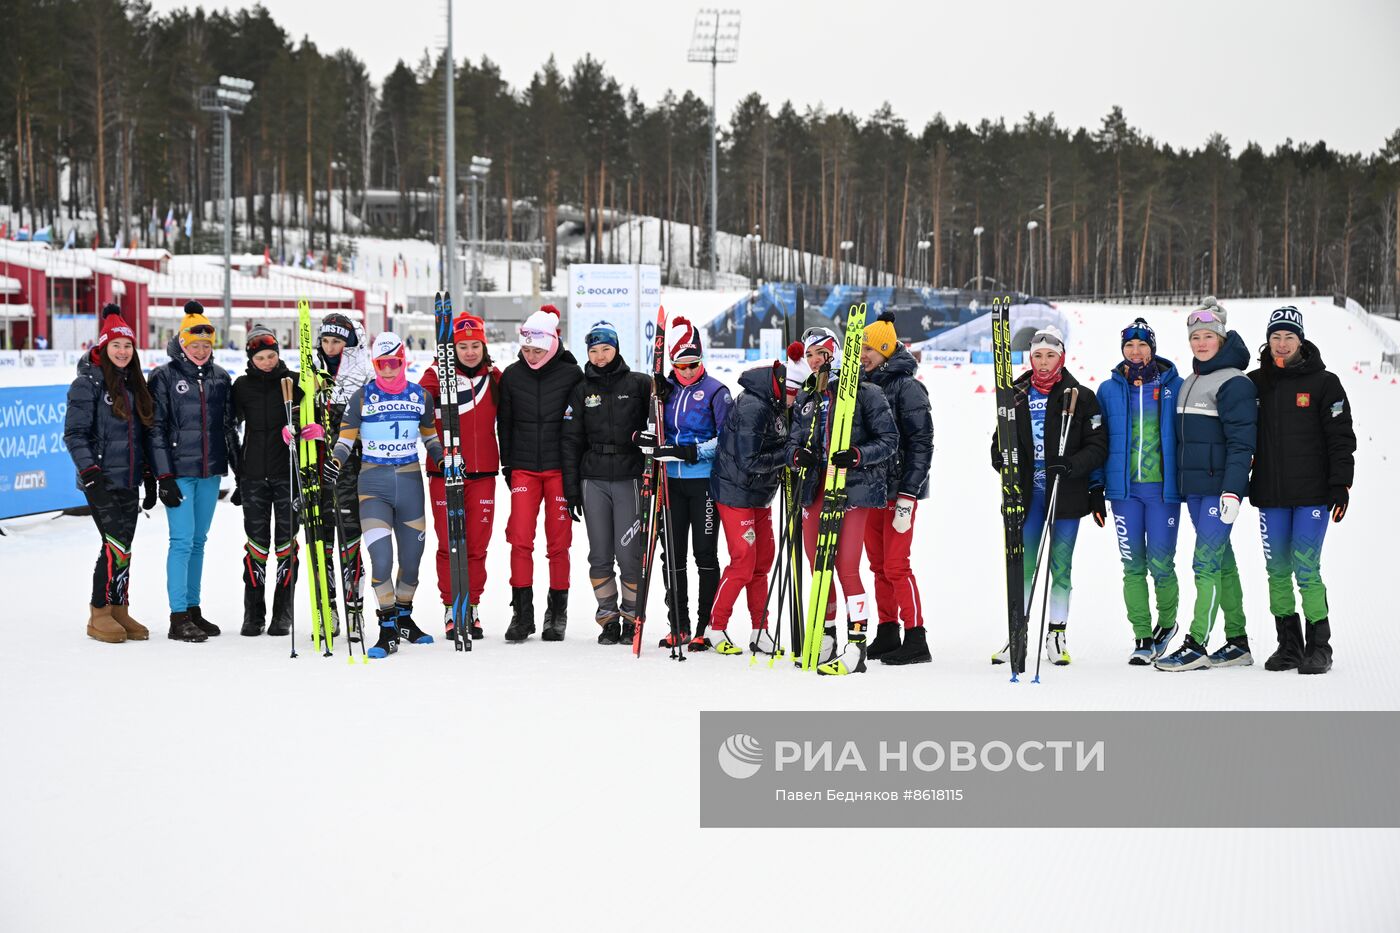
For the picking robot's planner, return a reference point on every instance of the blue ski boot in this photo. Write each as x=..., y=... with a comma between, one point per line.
x=388, y=634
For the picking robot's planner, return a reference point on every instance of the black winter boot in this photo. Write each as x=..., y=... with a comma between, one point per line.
x=886, y=641
x=913, y=651
x=611, y=633
x=203, y=624
x=1317, y=653
x=522, y=617
x=182, y=628
x=282, y=610
x=254, y=610
x=556, y=615
x=1290, y=644
x=629, y=629
x=388, y=634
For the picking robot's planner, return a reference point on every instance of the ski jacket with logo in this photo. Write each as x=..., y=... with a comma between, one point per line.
x=1306, y=441
x=1086, y=446
x=605, y=409
x=530, y=416
x=873, y=433
x=694, y=414
x=1217, y=414
x=258, y=407
x=752, y=449
x=95, y=436
x=193, y=434
x=477, y=394
x=1141, y=422
x=908, y=471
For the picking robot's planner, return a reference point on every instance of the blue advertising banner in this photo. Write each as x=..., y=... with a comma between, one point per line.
x=36, y=474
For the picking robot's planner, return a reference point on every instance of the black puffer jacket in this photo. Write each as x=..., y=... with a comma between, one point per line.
x=1306, y=441
x=752, y=444
x=193, y=434
x=1086, y=448
x=258, y=407
x=605, y=409
x=908, y=471
x=873, y=433
x=530, y=416
x=95, y=436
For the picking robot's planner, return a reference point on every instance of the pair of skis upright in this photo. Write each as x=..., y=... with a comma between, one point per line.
x=453, y=475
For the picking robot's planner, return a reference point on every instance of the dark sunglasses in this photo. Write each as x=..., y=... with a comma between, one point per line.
x=685, y=366
x=201, y=330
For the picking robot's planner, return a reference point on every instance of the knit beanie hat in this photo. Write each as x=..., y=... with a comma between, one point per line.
x=1286, y=318
x=113, y=326
x=1140, y=330
x=541, y=329
x=336, y=324
x=1209, y=316
x=797, y=369
x=259, y=339
x=602, y=332
x=467, y=326
x=880, y=335
x=194, y=325
x=685, y=342
x=1048, y=338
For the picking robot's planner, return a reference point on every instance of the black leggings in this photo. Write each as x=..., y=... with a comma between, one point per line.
x=270, y=529
x=692, y=515
x=116, y=523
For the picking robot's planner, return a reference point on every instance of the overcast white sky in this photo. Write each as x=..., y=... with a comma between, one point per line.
x=1181, y=69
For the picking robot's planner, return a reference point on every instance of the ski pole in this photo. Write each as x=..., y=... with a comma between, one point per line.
x=294, y=487
x=1066, y=419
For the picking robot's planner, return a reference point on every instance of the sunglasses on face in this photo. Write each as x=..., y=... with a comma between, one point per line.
x=685, y=367
x=1202, y=317
x=201, y=330
x=388, y=364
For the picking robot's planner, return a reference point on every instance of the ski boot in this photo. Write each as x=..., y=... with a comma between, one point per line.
x=1161, y=637
x=1142, y=652
x=522, y=618
x=1289, y=655
x=913, y=651
x=1191, y=656
x=408, y=629
x=1002, y=656
x=851, y=660
x=254, y=609
x=671, y=640
x=886, y=641
x=827, y=654
x=182, y=628
x=1317, y=654
x=474, y=619
x=1234, y=653
x=388, y=634
x=699, y=642
x=629, y=628
x=556, y=615
x=1056, y=646
x=724, y=645
x=103, y=627
x=450, y=636
x=135, y=631
x=761, y=642
x=201, y=623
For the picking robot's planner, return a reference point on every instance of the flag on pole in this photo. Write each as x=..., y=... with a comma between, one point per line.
x=72, y=238
x=4, y=228
x=170, y=221
x=189, y=224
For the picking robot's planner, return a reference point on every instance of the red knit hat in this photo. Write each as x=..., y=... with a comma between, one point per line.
x=467, y=326
x=113, y=326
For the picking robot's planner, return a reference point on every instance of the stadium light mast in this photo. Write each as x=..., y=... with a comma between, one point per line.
x=449, y=175
x=714, y=42
x=227, y=98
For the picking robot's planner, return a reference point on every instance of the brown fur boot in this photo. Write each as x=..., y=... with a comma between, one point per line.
x=103, y=627
x=135, y=631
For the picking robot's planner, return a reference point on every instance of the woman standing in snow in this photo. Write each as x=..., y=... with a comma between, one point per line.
x=1303, y=469
x=1139, y=478
x=1216, y=417
x=389, y=417
x=192, y=445
x=107, y=433
x=1041, y=402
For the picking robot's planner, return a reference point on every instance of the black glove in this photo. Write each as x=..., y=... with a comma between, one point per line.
x=1056, y=466
x=803, y=458
x=663, y=389
x=330, y=470
x=645, y=441
x=505, y=472
x=170, y=495
x=237, y=497
x=148, y=502
x=677, y=452
x=1341, y=497
x=95, y=485
x=847, y=459
x=575, y=504
x=1097, y=509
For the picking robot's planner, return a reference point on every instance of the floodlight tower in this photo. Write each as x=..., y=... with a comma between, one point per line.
x=715, y=41
x=229, y=97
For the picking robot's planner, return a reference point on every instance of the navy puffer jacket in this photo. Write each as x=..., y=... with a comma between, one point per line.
x=908, y=471
x=752, y=446
x=95, y=436
x=193, y=435
x=873, y=433
x=1217, y=416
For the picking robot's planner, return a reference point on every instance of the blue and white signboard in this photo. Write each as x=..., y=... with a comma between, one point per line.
x=36, y=473
x=625, y=295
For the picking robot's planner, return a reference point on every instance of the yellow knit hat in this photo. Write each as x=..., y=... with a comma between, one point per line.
x=194, y=317
x=880, y=335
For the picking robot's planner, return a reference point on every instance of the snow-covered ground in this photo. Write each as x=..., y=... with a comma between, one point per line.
x=224, y=786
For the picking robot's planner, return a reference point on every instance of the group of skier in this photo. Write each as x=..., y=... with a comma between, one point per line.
x=1150, y=441
x=577, y=443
